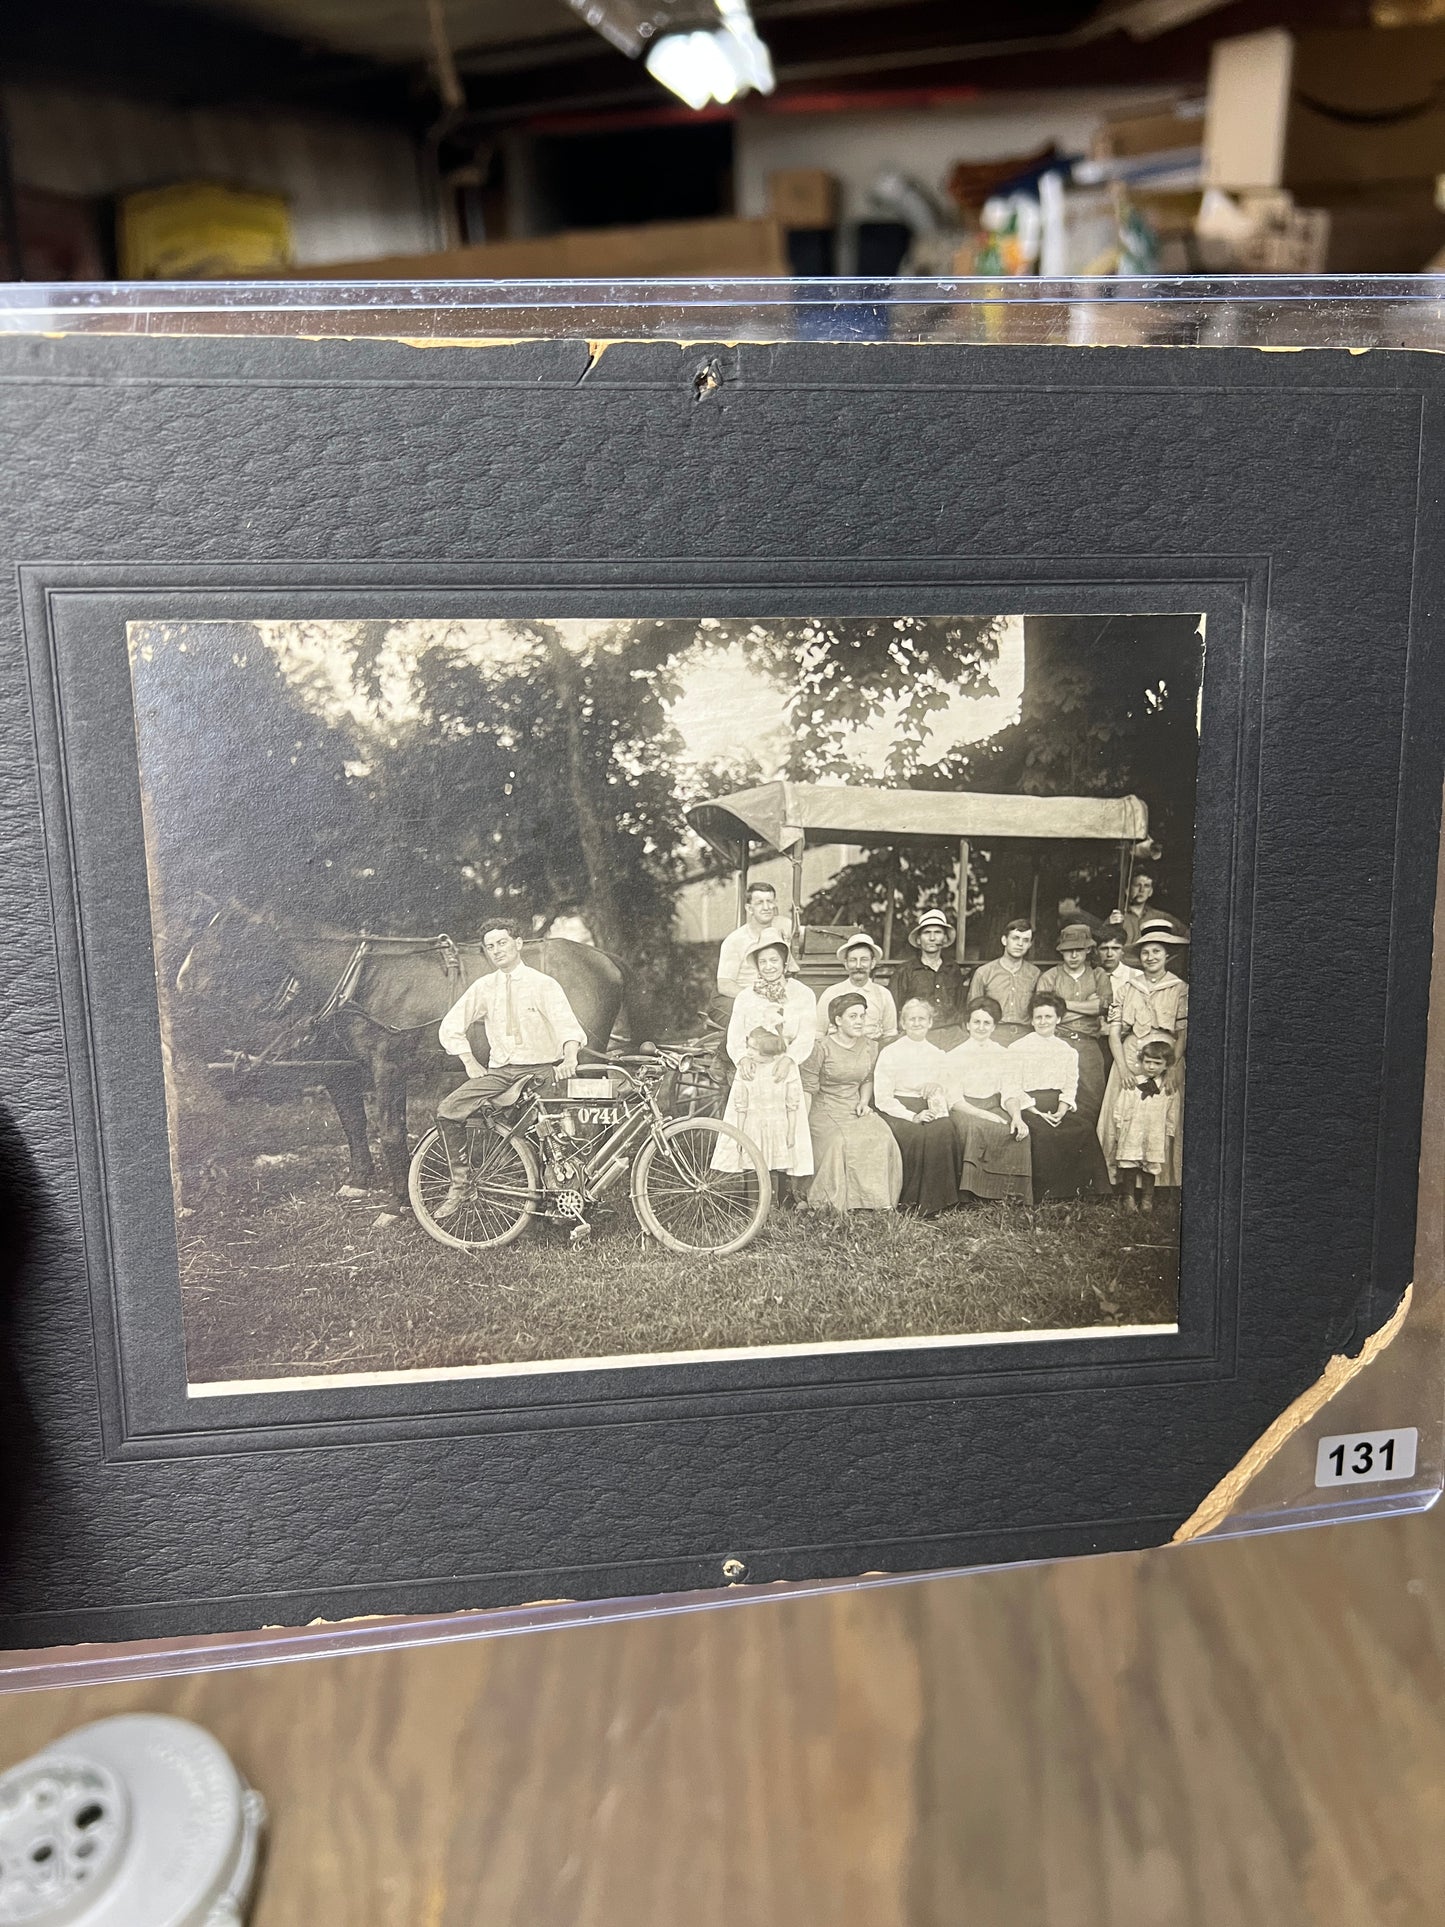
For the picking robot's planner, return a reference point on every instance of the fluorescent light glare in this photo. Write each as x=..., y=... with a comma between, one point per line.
x=703, y=67
x=687, y=64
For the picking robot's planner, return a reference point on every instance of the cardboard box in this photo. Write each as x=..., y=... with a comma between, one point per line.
x=803, y=197
x=663, y=247
x=1353, y=105
x=1165, y=130
x=1394, y=228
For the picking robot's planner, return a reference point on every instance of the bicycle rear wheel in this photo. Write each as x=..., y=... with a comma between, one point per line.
x=499, y=1194
x=690, y=1207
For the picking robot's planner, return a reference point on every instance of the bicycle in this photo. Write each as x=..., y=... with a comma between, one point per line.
x=532, y=1154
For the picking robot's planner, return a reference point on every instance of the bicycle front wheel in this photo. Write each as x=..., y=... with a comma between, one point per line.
x=689, y=1206
x=498, y=1191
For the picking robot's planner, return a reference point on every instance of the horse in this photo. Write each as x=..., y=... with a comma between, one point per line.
x=254, y=989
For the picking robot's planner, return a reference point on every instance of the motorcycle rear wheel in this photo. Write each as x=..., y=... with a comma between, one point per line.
x=500, y=1190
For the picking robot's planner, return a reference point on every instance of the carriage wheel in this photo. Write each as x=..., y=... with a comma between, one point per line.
x=690, y=1207
x=501, y=1193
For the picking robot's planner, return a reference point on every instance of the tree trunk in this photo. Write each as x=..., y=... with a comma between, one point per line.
x=607, y=920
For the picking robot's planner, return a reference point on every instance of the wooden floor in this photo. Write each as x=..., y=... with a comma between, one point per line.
x=1230, y=1734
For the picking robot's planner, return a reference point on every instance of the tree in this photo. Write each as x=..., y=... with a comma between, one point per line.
x=248, y=792
x=1109, y=707
x=417, y=777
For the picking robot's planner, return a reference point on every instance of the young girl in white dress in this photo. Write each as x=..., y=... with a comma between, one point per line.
x=766, y=1105
x=1146, y=1121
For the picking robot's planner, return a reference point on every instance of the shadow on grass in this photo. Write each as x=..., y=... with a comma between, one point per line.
x=280, y=1277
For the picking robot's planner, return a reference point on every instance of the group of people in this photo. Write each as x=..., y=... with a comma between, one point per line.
x=1006, y=1081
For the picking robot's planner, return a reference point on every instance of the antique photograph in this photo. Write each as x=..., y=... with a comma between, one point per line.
x=547, y=994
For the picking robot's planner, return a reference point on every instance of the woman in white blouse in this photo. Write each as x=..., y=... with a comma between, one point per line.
x=771, y=1033
x=1154, y=1009
x=993, y=1144
x=908, y=1091
x=1067, y=1160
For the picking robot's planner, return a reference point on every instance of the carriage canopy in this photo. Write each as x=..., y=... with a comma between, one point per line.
x=783, y=817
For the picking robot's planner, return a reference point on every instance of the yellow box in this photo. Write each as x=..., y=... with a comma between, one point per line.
x=201, y=230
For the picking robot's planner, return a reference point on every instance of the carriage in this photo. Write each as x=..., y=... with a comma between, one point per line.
x=782, y=819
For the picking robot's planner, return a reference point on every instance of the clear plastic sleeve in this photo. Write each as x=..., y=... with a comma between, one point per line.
x=1390, y=1391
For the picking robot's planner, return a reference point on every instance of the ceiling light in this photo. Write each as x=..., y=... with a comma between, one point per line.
x=714, y=64
x=694, y=67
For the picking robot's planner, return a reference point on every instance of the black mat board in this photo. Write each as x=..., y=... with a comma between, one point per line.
x=1293, y=498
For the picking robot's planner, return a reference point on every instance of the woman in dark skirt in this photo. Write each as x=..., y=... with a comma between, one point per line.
x=993, y=1145
x=1067, y=1159
x=909, y=1083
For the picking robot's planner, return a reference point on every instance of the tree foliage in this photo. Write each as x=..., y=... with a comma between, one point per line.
x=350, y=779
x=1109, y=708
x=423, y=777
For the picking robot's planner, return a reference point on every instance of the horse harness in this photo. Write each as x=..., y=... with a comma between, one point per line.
x=294, y=1039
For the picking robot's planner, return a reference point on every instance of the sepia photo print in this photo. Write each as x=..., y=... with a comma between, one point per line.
x=540, y=994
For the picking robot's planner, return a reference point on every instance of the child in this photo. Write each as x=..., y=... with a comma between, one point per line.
x=1146, y=1118
x=768, y=1108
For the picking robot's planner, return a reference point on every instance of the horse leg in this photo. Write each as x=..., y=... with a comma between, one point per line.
x=391, y=1082
x=345, y=1091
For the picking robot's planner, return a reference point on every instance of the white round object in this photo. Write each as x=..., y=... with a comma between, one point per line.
x=138, y=1821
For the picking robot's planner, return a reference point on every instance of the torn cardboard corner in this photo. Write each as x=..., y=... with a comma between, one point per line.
x=1228, y=1495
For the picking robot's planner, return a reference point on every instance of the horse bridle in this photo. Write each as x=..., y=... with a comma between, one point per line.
x=281, y=1000
x=294, y=1036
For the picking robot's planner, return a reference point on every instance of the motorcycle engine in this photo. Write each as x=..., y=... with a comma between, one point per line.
x=561, y=1172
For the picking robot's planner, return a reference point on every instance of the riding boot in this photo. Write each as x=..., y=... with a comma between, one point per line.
x=454, y=1137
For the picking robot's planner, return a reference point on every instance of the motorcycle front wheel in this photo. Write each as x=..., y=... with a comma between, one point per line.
x=689, y=1205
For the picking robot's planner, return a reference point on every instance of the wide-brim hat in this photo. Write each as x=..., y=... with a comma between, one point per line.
x=1157, y=929
x=1076, y=935
x=933, y=920
x=858, y=942
x=768, y=943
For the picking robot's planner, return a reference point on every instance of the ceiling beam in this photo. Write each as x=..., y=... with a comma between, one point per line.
x=186, y=56
x=888, y=45
x=191, y=56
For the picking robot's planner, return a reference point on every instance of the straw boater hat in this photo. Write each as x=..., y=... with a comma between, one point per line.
x=769, y=943
x=856, y=942
x=932, y=920
x=1157, y=929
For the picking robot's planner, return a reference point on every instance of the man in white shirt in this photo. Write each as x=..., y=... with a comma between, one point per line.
x=735, y=968
x=530, y=1028
x=859, y=956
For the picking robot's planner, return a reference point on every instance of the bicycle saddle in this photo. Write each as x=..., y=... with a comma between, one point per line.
x=514, y=1093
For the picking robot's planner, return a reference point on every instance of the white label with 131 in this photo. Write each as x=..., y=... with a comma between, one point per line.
x=1367, y=1458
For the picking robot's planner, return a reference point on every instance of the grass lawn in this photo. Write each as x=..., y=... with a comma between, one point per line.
x=280, y=1277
